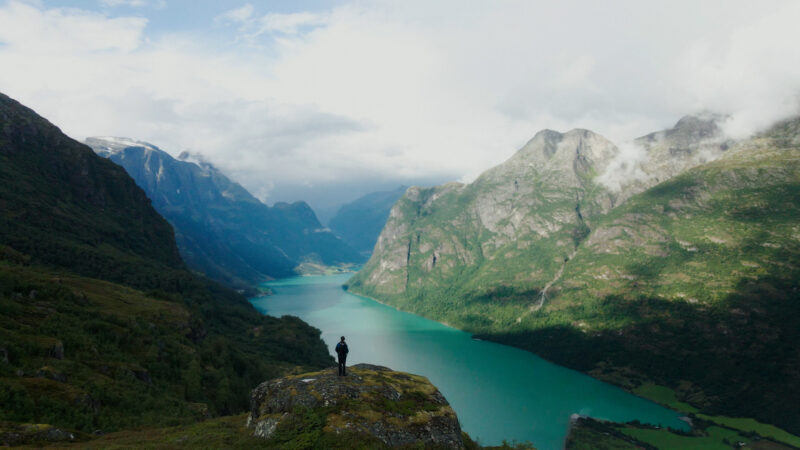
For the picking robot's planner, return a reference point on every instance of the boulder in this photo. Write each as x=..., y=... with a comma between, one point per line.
x=395, y=408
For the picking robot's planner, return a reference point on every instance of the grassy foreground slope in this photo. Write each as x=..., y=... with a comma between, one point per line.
x=101, y=326
x=87, y=354
x=693, y=284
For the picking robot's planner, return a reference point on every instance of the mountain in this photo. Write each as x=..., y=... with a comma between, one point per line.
x=102, y=326
x=514, y=225
x=221, y=229
x=689, y=281
x=360, y=222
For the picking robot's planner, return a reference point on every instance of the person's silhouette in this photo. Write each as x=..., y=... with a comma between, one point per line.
x=341, y=352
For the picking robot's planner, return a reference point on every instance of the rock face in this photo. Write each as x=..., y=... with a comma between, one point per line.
x=395, y=408
x=220, y=228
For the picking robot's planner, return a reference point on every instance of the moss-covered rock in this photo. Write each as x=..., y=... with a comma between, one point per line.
x=372, y=403
x=30, y=433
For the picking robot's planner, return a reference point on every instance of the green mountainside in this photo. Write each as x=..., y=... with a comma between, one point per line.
x=101, y=326
x=360, y=222
x=690, y=283
x=220, y=228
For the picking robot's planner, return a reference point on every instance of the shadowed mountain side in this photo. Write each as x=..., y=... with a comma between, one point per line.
x=63, y=206
x=221, y=229
x=736, y=358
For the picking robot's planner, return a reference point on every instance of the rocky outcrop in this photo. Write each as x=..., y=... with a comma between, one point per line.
x=395, y=408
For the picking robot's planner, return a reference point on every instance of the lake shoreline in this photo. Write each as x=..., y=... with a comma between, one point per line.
x=487, y=338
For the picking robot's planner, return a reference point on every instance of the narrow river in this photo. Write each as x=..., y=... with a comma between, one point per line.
x=498, y=392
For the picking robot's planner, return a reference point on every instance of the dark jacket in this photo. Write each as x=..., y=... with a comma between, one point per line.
x=341, y=350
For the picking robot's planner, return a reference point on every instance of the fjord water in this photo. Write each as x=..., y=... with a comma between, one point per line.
x=498, y=392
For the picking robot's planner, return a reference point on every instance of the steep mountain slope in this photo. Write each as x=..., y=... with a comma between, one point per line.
x=63, y=206
x=101, y=326
x=360, y=222
x=692, y=283
x=221, y=229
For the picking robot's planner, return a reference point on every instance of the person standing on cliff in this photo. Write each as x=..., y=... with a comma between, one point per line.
x=341, y=352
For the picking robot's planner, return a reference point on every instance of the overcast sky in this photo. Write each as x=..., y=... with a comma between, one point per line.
x=327, y=100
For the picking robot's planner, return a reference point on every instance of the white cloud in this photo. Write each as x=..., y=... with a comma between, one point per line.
x=753, y=74
x=28, y=30
x=290, y=23
x=399, y=90
x=133, y=3
x=237, y=15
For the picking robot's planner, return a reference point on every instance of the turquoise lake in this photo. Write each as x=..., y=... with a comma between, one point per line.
x=498, y=392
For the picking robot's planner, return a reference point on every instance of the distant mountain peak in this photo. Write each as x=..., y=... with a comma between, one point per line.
x=112, y=144
x=568, y=157
x=196, y=158
x=699, y=126
x=701, y=117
